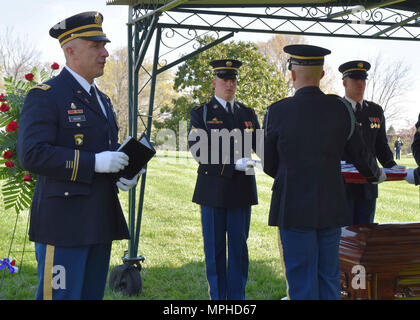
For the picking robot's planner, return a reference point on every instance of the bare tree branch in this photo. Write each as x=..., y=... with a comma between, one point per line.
x=387, y=85
x=18, y=54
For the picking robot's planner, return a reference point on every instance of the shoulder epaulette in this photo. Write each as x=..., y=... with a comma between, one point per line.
x=200, y=105
x=42, y=86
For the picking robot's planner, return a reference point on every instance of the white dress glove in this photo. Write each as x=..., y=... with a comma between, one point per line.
x=126, y=184
x=244, y=164
x=410, y=176
x=382, y=177
x=110, y=161
x=397, y=167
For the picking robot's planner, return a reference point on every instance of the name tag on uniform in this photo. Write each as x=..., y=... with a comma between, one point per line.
x=77, y=118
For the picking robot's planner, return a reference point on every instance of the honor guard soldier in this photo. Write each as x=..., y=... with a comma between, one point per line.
x=222, y=135
x=413, y=175
x=370, y=120
x=67, y=134
x=305, y=136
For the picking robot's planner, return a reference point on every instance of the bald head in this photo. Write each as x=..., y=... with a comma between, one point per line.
x=305, y=76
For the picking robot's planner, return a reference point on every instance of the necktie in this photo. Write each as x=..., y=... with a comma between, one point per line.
x=229, y=107
x=358, y=112
x=96, y=102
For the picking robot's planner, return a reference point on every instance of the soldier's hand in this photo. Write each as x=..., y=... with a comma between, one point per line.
x=243, y=164
x=126, y=184
x=110, y=161
x=382, y=177
x=410, y=176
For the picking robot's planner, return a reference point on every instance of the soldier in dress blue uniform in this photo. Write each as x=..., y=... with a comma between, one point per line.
x=371, y=124
x=413, y=175
x=67, y=134
x=222, y=135
x=305, y=136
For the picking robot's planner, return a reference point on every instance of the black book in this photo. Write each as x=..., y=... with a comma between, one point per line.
x=139, y=151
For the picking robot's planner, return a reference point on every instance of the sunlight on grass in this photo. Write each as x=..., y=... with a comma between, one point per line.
x=171, y=238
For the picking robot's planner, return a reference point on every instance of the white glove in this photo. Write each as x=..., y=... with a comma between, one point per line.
x=397, y=167
x=382, y=177
x=126, y=184
x=110, y=161
x=244, y=164
x=410, y=176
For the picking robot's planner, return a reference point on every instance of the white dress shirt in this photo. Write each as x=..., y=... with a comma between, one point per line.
x=353, y=103
x=86, y=86
x=224, y=102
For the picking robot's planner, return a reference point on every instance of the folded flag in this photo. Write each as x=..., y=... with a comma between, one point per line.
x=352, y=175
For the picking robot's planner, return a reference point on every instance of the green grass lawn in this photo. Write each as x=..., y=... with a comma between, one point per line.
x=171, y=239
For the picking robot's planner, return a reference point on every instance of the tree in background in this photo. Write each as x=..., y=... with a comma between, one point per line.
x=18, y=55
x=387, y=84
x=114, y=83
x=259, y=82
x=273, y=50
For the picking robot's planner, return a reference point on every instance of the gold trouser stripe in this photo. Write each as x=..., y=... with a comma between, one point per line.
x=48, y=271
x=205, y=266
x=283, y=264
x=76, y=165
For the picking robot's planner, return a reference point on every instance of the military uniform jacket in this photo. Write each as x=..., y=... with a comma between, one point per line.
x=60, y=130
x=218, y=183
x=415, y=147
x=305, y=137
x=372, y=129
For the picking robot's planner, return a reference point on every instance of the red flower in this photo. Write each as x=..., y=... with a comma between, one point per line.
x=2, y=97
x=9, y=163
x=12, y=126
x=29, y=76
x=27, y=177
x=4, y=107
x=55, y=66
x=8, y=154
x=13, y=262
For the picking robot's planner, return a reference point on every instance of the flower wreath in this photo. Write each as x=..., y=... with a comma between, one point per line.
x=17, y=184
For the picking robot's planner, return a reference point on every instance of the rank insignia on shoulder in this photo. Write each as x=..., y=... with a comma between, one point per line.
x=42, y=86
x=78, y=139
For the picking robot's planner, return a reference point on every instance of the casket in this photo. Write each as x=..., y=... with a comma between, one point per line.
x=380, y=261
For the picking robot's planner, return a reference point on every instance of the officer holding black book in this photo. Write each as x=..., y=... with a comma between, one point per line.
x=68, y=136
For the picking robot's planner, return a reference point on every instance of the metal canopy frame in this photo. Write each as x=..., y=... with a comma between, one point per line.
x=176, y=25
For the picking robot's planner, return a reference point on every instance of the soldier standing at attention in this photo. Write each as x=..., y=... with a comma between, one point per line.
x=225, y=187
x=370, y=120
x=67, y=134
x=305, y=136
